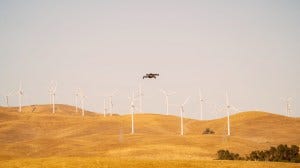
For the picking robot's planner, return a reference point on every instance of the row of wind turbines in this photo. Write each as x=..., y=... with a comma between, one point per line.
x=136, y=95
x=19, y=93
x=228, y=107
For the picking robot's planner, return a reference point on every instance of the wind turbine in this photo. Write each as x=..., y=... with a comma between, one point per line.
x=20, y=94
x=3, y=99
x=77, y=94
x=104, y=107
x=140, y=94
x=229, y=107
x=167, y=94
x=110, y=101
x=181, y=114
x=288, y=106
x=7, y=96
x=132, y=109
x=52, y=90
x=202, y=100
x=83, y=97
x=6, y=100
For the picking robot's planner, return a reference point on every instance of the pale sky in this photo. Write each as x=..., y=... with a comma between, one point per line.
x=249, y=48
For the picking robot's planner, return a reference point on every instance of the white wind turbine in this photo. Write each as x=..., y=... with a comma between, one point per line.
x=7, y=96
x=140, y=94
x=202, y=100
x=52, y=90
x=181, y=114
x=3, y=99
x=229, y=107
x=110, y=101
x=288, y=106
x=167, y=94
x=104, y=107
x=77, y=94
x=6, y=100
x=20, y=94
x=83, y=97
x=132, y=109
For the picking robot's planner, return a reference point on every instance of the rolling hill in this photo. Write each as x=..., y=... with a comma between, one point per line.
x=36, y=133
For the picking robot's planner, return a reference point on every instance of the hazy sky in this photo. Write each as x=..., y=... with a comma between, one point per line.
x=249, y=48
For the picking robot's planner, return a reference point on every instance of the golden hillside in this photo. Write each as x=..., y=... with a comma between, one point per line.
x=39, y=133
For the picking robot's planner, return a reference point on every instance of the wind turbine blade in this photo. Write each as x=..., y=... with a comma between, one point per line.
x=221, y=110
x=13, y=92
x=52, y=87
x=186, y=100
x=227, y=99
x=163, y=91
x=234, y=108
x=200, y=94
x=20, y=86
x=55, y=85
x=114, y=92
x=80, y=91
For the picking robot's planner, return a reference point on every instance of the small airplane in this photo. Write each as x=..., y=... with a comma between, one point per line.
x=150, y=75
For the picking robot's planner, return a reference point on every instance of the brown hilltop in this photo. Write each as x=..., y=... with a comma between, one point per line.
x=67, y=133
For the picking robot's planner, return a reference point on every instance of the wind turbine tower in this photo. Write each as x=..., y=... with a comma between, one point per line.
x=104, y=107
x=167, y=94
x=77, y=94
x=288, y=107
x=83, y=97
x=6, y=100
x=52, y=90
x=132, y=109
x=202, y=100
x=181, y=115
x=140, y=94
x=229, y=107
x=20, y=94
x=7, y=97
x=110, y=102
x=3, y=99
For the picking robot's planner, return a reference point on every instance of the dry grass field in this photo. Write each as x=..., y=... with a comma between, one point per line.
x=93, y=162
x=38, y=138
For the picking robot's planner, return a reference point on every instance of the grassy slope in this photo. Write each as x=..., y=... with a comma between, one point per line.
x=68, y=134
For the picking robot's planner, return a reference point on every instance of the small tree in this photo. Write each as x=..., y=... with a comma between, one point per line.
x=283, y=152
x=254, y=155
x=267, y=155
x=294, y=155
x=226, y=155
x=208, y=131
x=273, y=154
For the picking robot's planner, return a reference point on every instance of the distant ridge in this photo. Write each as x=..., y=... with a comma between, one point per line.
x=47, y=108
